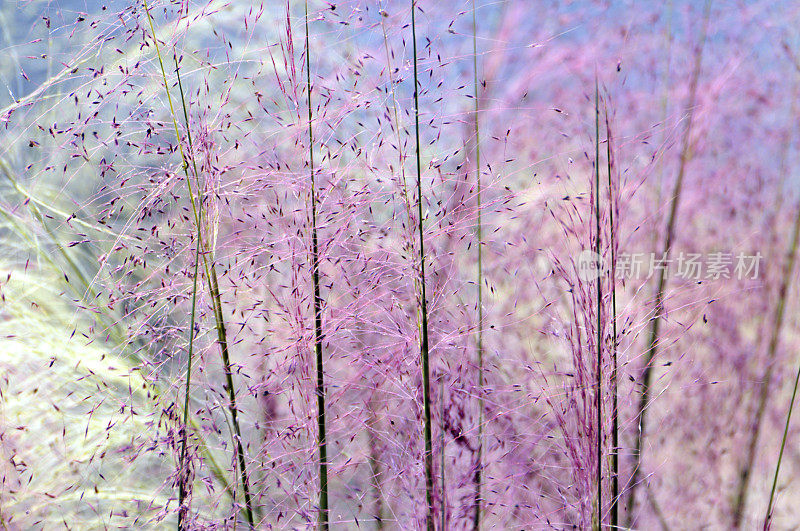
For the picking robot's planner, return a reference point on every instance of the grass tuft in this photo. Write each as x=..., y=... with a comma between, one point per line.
x=211, y=276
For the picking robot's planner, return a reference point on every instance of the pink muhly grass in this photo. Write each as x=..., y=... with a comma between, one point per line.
x=213, y=286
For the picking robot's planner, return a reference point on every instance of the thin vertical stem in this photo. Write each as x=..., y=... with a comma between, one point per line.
x=322, y=520
x=599, y=338
x=184, y=474
x=374, y=464
x=768, y=518
x=786, y=279
x=655, y=326
x=443, y=444
x=424, y=353
x=222, y=337
x=478, y=480
x=222, y=340
x=614, y=390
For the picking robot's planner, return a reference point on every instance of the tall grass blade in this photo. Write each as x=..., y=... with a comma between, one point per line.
x=768, y=518
x=424, y=351
x=599, y=323
x=478, y=479
x=184, y=477
x=210, y=271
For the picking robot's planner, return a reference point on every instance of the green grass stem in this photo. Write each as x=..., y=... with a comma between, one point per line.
x=322, y=520
x=424, y=351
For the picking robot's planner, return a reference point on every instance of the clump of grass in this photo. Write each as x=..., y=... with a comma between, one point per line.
x=546, y=465
x=423, y=303
x=322, y=520
x=213, y=284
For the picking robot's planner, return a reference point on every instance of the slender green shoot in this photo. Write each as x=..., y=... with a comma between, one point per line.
x=222, y=339
x=614, y=390
x=426, y=384
x=322, y=520
x=599, y=323
x=222, y=336
x=787, y=275
x=478, y=479
x=183, y=478
x=374, y=464
x=443, y=447
x=768, y=518
x=210, y=269
x=786, y=281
